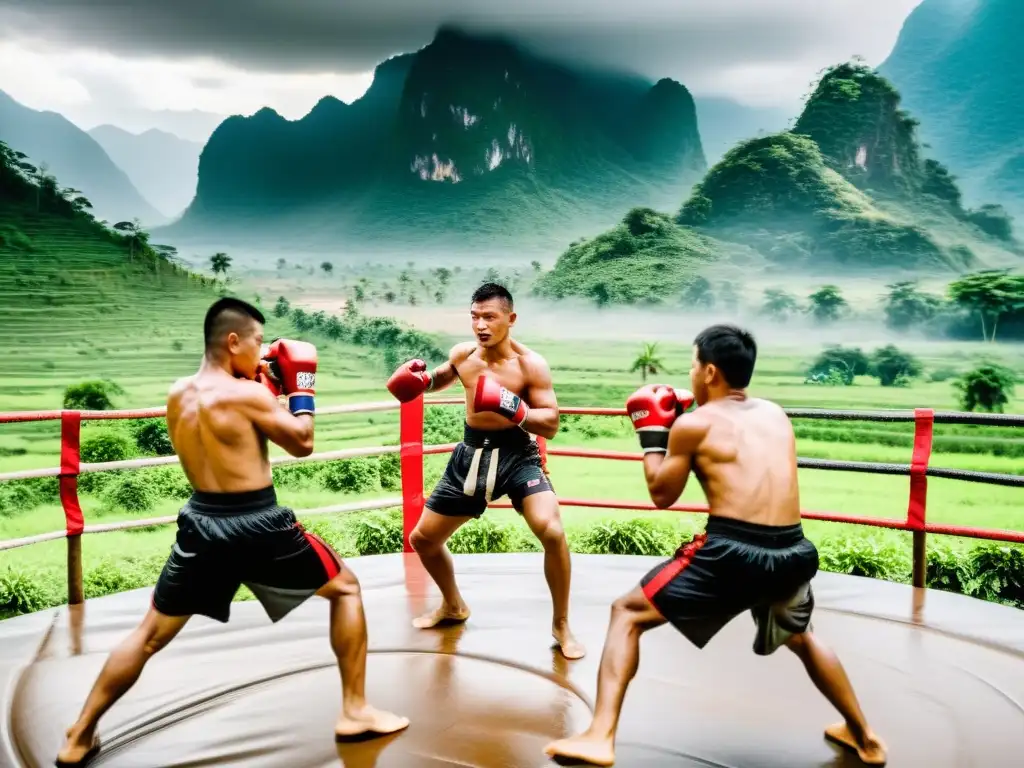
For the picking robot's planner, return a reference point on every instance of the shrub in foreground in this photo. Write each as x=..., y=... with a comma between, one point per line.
x=993, y=572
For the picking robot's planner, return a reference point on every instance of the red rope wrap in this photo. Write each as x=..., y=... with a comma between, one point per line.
x=70, y=459
x=924, y=422
x=411, y=457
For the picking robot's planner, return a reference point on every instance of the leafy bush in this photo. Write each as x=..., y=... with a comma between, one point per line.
x=91, y=395
x=109, y=445
x=894, y=367
x=378, y=533
x=22, y=495
x=986, y=388
x=168, y=482
x=300, y=475
x=443, y=424
x=151, y=436
x=132, y=492
x=481, y=536
x=351, y=475
x=390, y=467
x=865, y=557
x=992, y=572
x=638, y=536
x=846, y=362
x=20, y=593
x=997, y=573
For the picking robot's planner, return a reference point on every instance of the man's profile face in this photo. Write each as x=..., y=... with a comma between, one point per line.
x=245, y=348
x=699, y=378
x=491, y=321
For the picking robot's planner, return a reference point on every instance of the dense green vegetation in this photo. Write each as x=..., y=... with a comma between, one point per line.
x=645, y=258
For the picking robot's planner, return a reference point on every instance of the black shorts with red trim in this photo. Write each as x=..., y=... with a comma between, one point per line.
x=225, y=540
x=733, y=567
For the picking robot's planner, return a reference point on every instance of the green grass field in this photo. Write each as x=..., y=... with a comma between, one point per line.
x=80, y=312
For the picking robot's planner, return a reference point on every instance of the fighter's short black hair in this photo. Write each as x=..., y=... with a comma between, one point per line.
x=731, y=350
x=228, y=314
x=492, y=291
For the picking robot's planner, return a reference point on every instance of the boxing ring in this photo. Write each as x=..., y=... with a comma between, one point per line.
x=939, y=675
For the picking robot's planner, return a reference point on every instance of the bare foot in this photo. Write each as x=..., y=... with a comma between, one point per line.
x=368, y=723
x=871, y=750
x=570, y=647
x=78, y=751
x=583, y=749
x=446, y=614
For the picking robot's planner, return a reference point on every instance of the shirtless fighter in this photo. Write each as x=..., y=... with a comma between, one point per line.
x=232, y=530
x=752, y=557
x=509, y=396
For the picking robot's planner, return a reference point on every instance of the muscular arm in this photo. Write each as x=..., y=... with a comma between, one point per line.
x=543, y=418
x=667, y=474
x=445, y=374
x=293, y=433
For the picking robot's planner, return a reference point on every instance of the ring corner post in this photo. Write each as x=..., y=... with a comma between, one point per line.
x=411, y=459
x=74, y=521
x=924, y=424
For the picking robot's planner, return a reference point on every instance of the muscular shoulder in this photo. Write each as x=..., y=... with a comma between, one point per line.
x=461, y=352
x=688, y=431
x=533, y=364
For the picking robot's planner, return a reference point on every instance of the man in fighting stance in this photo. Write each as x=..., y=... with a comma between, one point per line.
x=232, y=530
x=509, y=396
x=752, y=556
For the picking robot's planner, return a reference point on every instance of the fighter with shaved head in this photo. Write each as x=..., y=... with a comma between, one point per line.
x=232, y=531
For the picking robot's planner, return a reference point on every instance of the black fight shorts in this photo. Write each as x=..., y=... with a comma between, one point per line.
x=485, y=466
x=735, y=567
x=225, y=540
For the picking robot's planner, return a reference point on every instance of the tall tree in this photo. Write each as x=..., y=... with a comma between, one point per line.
x=991, y=293
x=220, y=263
x=138, y=238
x=827, y=303
x=905, y=306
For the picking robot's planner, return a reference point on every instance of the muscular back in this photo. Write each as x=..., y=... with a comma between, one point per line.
x=516, y=373
x=218, y=444
x=746, y=461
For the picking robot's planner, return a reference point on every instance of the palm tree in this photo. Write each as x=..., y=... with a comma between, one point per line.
x=220, y=263
x=648, y=362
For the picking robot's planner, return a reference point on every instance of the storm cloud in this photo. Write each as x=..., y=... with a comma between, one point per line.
x=687, y=39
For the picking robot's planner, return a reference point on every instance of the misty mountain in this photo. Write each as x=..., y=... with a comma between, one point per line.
x=960, y=67
x=76, y=159
x=163, y=167
x=191, y=125
x=470, y=140
x=845, y=191
x=724, y=123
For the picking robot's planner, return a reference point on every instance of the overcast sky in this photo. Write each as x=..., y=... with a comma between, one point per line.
x=107, y=60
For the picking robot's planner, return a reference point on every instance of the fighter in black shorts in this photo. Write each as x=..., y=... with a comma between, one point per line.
x=232, y=531
x=753, y=555
x=509, y=399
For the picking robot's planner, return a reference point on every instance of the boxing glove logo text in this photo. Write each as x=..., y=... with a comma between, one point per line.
x=306, y=380
x=637, y=415
x=508, y=400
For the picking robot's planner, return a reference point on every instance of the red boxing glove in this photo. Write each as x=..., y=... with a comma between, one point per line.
x=491, y=396
x=291, y=365
x=410, y=381
x=684, y=400
x=653, y=409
